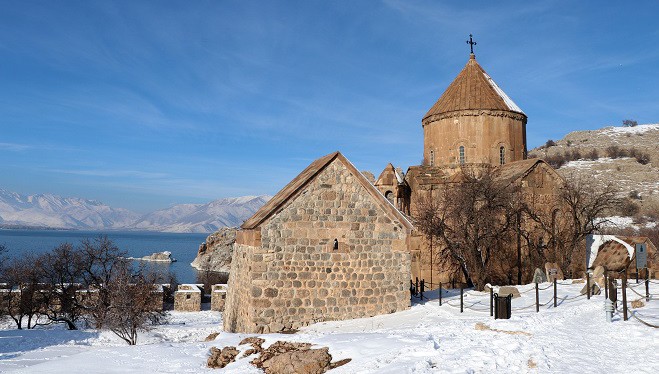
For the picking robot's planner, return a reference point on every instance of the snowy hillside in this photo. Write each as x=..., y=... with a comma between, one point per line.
x=51, y=211
x=571, y=338
x=631, y=176
x=201, y=218
x=45, y=210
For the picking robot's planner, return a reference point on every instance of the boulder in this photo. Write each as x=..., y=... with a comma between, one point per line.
x=553, y=271
x=297, y=358
x=215, y=253
x=312, y=361
x=594, y=289
x=598, y=276
x=508, y=290
x=220, y=358
x=539, y=276
x=638, y=304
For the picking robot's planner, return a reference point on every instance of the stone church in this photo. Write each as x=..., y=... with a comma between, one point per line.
x=331, y=245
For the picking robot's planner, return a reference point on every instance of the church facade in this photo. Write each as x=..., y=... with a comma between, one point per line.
x=332, y=245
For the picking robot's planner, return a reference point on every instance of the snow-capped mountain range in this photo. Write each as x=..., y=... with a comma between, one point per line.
x=52, y=211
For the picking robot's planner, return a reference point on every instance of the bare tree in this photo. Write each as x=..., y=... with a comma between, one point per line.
x=23, y=300
x=577, y=212
x=473, y=222
x=61, y=272
x=131, y=304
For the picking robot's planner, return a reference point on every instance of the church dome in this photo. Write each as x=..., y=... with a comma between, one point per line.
x=472, y=89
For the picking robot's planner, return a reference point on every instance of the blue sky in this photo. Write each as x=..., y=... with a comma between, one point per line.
x=143, y=104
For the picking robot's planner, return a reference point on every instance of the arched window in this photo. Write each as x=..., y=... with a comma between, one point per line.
x=432, y=158
x=390, y=196
x=502, y=155
x=462, y=154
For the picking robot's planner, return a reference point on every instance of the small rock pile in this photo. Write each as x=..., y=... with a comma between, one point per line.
x=279, y=357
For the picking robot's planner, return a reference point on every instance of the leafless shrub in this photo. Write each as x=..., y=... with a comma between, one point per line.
x=629, y=123
x=131, y=303
x=629, y=208
x=593, y=155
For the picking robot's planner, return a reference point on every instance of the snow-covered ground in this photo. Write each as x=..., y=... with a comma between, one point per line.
x=427, y=338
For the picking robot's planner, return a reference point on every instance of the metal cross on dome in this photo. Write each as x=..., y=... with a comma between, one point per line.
x=471, y=43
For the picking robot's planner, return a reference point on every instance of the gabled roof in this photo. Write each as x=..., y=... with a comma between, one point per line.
x=473, y=89
x=513, y=171
x=389, y=177
x=294, y=187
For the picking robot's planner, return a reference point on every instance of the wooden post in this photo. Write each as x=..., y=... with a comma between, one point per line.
x=491, y=301
x=416, y=289
x=606, y=286
x=647, y=284
x=624, y=295
x=537, y=298
x=461, y=298
x=637, y=275
x=423, y=286
x=588, y=285
x=554, y=292
x=440, y=293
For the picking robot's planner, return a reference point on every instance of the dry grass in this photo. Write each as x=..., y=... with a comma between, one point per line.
x=483, y=327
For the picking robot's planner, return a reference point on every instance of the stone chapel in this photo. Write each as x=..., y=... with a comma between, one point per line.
x=331, y=245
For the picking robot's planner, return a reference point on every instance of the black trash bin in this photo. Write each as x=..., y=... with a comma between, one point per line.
x=502, y=306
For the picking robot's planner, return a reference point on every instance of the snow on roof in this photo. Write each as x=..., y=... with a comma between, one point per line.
x=594, y=242
x=399, y=177
x=509, y=102
x=189, y=287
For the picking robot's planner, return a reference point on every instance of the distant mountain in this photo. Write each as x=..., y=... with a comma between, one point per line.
x=209, y=217
x=52, y=211
x=46, y=210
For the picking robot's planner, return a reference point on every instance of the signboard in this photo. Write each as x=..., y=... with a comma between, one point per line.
x=641, y=255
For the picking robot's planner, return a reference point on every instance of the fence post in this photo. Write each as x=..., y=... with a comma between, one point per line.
x=537, y=298
x=606, y=285
x=461, y=297
x=440, y=293
x=647, y=284
x=588, y=285
x=624, y=295
x=423, y=285
x=554, y=292
x=416, y=289
x=491, y=301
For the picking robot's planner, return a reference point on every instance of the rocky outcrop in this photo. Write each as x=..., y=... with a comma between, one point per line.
x=215, y=253
x=298, y=358
x=279, y=357
x=164, y=256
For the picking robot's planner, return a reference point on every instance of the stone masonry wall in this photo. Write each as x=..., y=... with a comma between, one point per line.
x=297, y=277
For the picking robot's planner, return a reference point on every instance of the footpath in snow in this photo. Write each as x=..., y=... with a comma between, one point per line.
x=427, y=338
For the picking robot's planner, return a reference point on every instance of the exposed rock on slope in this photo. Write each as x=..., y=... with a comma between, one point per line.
x=215, y=253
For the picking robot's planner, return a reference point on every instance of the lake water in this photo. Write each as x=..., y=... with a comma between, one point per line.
x=183, y=246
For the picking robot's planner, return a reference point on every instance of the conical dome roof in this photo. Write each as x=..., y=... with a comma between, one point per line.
x=473, y=89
